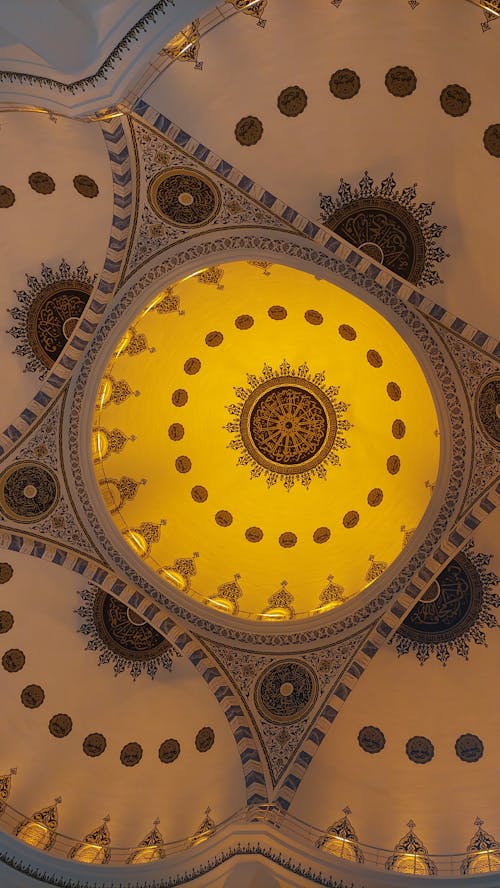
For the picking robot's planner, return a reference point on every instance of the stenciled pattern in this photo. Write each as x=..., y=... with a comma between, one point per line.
x=29, y=491
x=48, y=312
x=453, y=612
x=286, y=692
x=388, y=225
x=121, y=637
x=184, y=197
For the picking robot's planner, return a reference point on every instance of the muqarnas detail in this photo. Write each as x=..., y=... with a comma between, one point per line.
x=388, y=225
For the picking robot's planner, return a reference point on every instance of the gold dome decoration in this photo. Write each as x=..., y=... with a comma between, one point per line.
x=410, y=856
x=331, y=596
x=280, y=605
x=39, y=831
x=151, y=847
x=205, y=829
x=226, y=599
x=106, y=442
x=185, y=46
x=227, y=511
x=483, y=852
x=117, y=492
x=341, y=840
x=95, y=847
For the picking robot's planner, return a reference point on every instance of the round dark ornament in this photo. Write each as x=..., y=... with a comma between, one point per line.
x=400, y=81
x=205, y=739
x=491, y=139
x=393, y=464
x=292, y=101
x=288, y=539
x=488, y=407
x=398, y=429
x=322, y=535
x=192, y=366
x=7, y=197
x=286, y=692
x=199, y=493
x=214, y=338
x=86, y=186
x=176, y=431
x=179, y=398
x=254, y=534
x=375, y=497
x=184, y=198
x=374, y=358
x=223, y=518
x=42, y=183
x=347, y=332
x=52, y=317
x=371, y=739
x=60, y=725
x=13, y=660
x=169, y=751
x=244, y=322
x=469, y=748
x=394, y=391
x=94, y=745
x=122, y=634
x=277, y=312
x=350, y=519
x=248, y=131
x=6, y=622
x=131, y=755
x=313, y=317
x=29, y=491
x=183, y=464
x=452, y=607
x=455, y=100
x=32, y=696
x=419, y=750
x=344, y=83
x=6, y=572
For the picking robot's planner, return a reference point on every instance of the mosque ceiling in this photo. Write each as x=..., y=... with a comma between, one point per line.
x=251, y=430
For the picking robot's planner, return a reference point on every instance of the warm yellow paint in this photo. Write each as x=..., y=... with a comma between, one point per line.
x=190, y=526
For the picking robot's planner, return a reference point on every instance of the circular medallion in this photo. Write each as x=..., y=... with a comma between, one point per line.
x=29, y=491
x=214, y=339
x=32, y=696
x=223, y=518
x=248, y=131
x=398, y=429
x=199, y=493
x=183, y=464
x=205, y=739
x=375, y=497
x=488, y=407
x=60, y=725
x=192, y=366
x=184, y=198
x=350, y=519
x=419, y=750
x=292, y=101
x=94, y=745
x=254, y=534
x=344, y=83
x=176, y=431
x=13, y=660
x=393, y=464
x=288, y=540
x=400, y=81
x=169, y=751
x=277, y=312
x=120, y=633
x=7, y=197
x=313, y=317
x=394, y=391
x=288, y=425
x=6, y=622
x=286, y=692
x=469, y=748
x=347, y=332
x=6, y=572
x=491, y=139
x=442, y=618
x=244, y=322
x=180, y=398
x=373, y=358
x=373, y=250
x=455, y=100
x=131, y=755
x=42, y=183
x=371, y=739
x=52, y=317
x=322, y=535
x=86, y=186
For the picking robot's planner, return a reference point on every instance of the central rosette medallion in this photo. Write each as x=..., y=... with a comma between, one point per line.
x=288, y=424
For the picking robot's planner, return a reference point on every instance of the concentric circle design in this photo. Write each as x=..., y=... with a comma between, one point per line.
x=184, y=198
x=124, y=636
x=285, y=425
x=286, y=692
x=29, y=491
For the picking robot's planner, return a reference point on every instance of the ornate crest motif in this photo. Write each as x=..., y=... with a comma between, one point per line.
x=251, y=7
x=388, y=225
x=151, y=847
x=121, y=637
x=288, y=425
x=411, y=856
x=453, y=612
x=95, y=847
x=185, y=46
x=48, y=312
x=483, y=852
x=341, y=840
x=205, y=829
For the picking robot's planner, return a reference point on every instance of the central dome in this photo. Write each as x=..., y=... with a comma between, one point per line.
x=264, y=441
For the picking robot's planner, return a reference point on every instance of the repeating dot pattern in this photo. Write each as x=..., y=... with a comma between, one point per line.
x=43, y=183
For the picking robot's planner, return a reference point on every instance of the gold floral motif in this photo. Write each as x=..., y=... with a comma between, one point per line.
x=212, y=275
x=185, y=46
x=375, y=570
